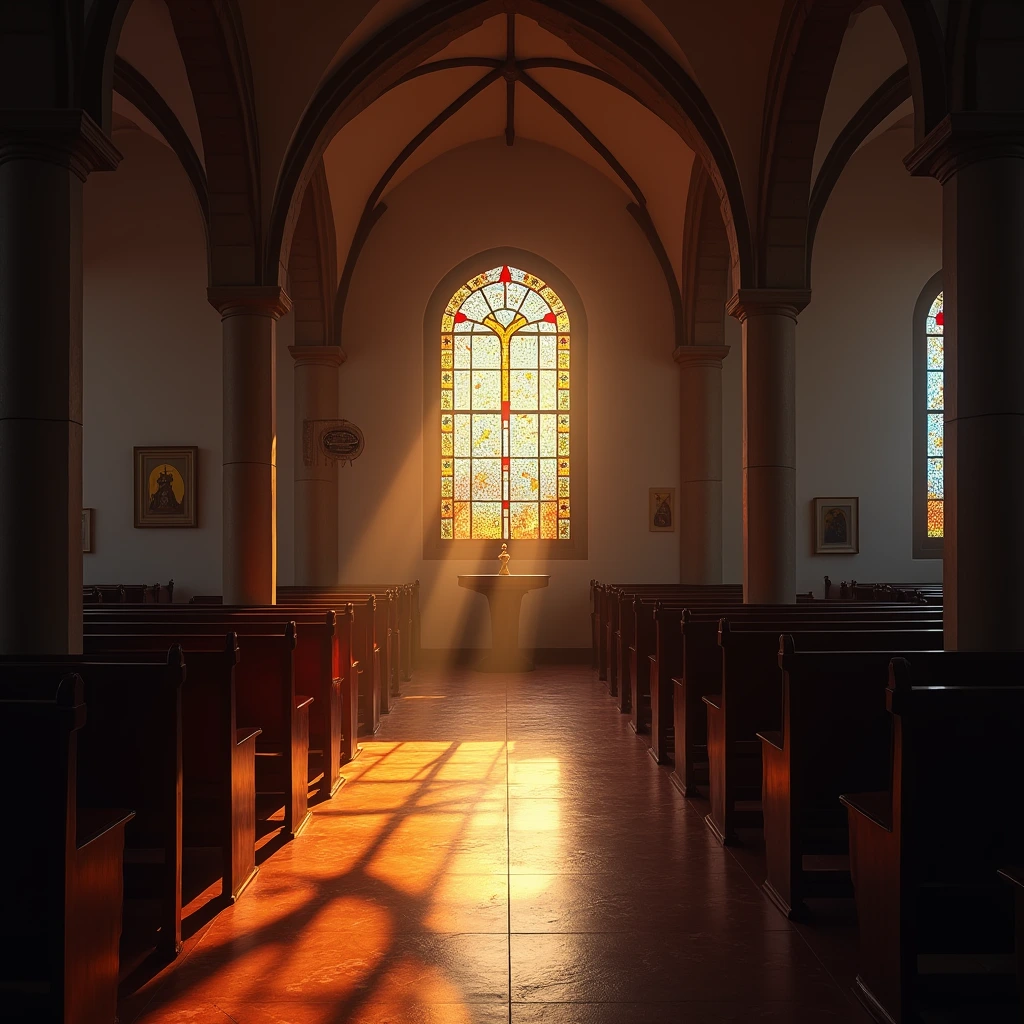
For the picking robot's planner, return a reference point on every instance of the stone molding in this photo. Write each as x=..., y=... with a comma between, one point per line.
x=317, y=355
x=964, y=138
x=700, y=355
x=748, y=302
x=67, y=138
x=250, y=300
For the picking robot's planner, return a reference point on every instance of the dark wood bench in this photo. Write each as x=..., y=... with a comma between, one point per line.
x=834, y=738
x=265, y=696
x=700, y=672
x=750, y=702
x=130, y=756
x=61, y=924
x=925, y=851
x=320, y=668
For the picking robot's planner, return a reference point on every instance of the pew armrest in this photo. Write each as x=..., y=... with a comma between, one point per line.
x=713, y=700
x=246, y=732
x=771, y=737
x=875, y=807
x=93, y=823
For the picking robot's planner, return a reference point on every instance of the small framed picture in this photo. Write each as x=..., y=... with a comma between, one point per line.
x=165, y=487
x=661, y=510
x=87, y=530
x=836, y=526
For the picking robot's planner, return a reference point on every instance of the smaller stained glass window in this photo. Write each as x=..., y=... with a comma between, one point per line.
x=935, y=406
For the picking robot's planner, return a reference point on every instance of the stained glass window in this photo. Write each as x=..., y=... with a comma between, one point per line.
x=506, y=410
x=934, y=406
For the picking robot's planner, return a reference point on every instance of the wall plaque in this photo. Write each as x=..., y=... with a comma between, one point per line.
x=330, y=441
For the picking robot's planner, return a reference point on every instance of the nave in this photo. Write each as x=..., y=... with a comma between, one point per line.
x=504, y=849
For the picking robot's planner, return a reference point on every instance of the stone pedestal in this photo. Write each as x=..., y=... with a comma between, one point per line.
x=505, y=597
x=316, y=478
x=250, y=318
x=700, y=462
x=769, y=317
x=45, y=157
x=979, y=159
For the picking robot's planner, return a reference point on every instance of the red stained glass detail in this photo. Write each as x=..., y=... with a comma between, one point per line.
x=504, y=463
x=505, y=505
x=550, y=318
x=505, y=276
x=460, y=317
x=506, y=408
x=940, y=320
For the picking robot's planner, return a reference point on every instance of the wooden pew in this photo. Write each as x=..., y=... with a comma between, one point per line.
x=834, y=738
x=700, y=673
x=320, y=638
x=925, y=852
x=381, y=650
x=406, y=620
x=750, y=702
x=1014, y=876
x=367, y=671
x=131, y=756
x=61, y=924
x=326, y=665
x=265, y=695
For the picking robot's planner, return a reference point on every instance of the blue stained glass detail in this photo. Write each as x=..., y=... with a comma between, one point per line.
x=935, y=396
x=935, y=433
x=935, y=478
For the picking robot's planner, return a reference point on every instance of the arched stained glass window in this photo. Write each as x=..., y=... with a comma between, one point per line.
x=506, y=411
x=929, y=412
x=934, y=410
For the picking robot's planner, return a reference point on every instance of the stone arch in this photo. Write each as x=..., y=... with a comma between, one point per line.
x=600, y=35
x=312, y=265
x=212, y=44
x=706, y=283
x=806, y=50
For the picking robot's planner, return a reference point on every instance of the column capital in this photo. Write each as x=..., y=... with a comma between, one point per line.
x=748, y=302
x=700, y=355
x=317, y=355
x=249, y=300
x=967, y=137
x=68, y=138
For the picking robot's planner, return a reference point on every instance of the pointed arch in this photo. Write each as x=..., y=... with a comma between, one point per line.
x=806, y=50
x=602, y=36
x=212, y=43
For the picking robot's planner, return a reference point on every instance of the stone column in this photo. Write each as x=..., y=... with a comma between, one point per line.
x=250, y=316
x=979, y=159
x=45, y=157
x=316, y=478
x=700, y=462
x=769, y=317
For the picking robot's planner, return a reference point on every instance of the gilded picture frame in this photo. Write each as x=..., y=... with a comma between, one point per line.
x=661, y=510
x=836, y=526
x=166, y=487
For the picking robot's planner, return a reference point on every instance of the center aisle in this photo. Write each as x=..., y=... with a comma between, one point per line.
x=504, y=850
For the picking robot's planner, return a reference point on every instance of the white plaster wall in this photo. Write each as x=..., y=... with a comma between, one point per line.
x=152, y=372
x=481, y=196
x=878, y=243
x=152, y=365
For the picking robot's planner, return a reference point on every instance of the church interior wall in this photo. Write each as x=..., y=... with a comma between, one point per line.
x=151, y=365
x=539, y=199
x=878, y=243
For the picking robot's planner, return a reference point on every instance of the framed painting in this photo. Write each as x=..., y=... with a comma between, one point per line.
x=661, y=510
x=87, y=531
x=165, y=487
x=836, y=526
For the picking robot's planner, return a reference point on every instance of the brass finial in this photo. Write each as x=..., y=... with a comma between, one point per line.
x=503, y=560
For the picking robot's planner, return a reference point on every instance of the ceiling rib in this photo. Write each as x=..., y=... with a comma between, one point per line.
x=512, y=71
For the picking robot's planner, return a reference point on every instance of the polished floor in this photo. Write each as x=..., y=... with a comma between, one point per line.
x=504, y=850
